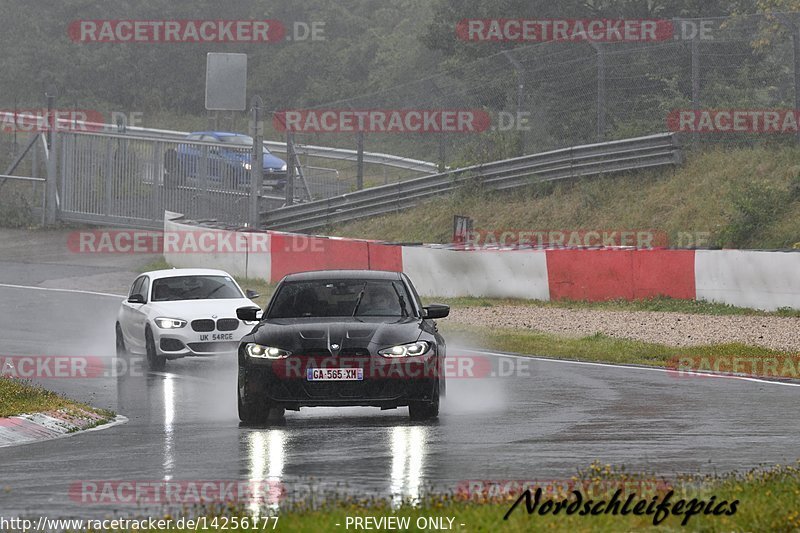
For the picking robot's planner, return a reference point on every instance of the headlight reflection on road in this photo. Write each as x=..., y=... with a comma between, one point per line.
x=408, y=454
x=266, y=450
x=169, y=426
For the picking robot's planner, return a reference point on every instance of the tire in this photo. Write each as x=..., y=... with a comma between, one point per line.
x=425, y=410
x=122, y=352
x=253, y=409
x=154, y=361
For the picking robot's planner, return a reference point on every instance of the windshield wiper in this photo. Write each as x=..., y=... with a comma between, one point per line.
x=358, y=302
x=210, y=293
x=403, y=310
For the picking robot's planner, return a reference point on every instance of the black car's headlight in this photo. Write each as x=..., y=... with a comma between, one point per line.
x=265, y=352
x=170, y=323
x=407, y=350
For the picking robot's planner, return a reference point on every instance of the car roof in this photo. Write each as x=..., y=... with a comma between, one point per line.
x=343, y=274
x=175, y=272
x=218, y=133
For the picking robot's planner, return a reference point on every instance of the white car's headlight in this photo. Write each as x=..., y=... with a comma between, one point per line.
x=283, y=167
x=170, y=323
x=247, y=166
x=265, y=352
x=407, y=350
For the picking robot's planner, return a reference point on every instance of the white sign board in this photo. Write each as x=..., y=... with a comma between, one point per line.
x=226, y=82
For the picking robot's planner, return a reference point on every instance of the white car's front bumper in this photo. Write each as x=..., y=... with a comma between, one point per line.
x=188, y=342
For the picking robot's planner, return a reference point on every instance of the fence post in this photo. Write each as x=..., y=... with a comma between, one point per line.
x=695, y=82
x=601, y=91
x=50, y=96
x=520, y=71
x=796, y=52
x=290, y=167
x=794, y=28
x=256, y=167
x=51, y=188
x=360, y=161
x=442, y=154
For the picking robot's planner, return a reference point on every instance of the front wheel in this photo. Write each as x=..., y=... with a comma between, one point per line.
x=425, y=410
x=154, y=361
x=121, y=350
x=252, y=408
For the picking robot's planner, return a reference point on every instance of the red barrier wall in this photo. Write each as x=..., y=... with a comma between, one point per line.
x=299, y=253
x=385, y=257
x=597, y=275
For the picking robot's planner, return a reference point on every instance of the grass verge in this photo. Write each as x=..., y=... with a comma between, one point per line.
x=765, y=501
x=21, y=396
x=663, y=304
x=602, y=348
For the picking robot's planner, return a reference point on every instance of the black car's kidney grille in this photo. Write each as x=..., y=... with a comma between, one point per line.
x=345, y=352
x=205, y=324
x=227, y=324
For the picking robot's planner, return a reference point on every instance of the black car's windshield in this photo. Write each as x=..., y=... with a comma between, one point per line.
x=195, y=288
x=341, y=298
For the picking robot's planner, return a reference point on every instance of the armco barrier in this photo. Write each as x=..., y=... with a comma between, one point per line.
x=761, y=280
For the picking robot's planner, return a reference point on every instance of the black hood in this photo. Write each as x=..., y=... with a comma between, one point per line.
x=317, y=335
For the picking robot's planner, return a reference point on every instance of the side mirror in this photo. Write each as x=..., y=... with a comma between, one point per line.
x=251, y=294
x=136, y=299
x=248, y=314
x=436, y=311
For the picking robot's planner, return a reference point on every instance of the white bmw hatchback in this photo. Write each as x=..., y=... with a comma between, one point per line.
x=182, y=312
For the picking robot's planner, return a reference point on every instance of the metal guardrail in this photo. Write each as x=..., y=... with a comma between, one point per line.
x=587, y=160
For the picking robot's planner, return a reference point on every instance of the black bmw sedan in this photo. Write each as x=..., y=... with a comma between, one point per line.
x=342, y=338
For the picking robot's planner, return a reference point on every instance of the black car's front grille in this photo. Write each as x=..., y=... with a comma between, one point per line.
x=345, y=352
x=205, y=324
x=350, y=389
x=354, y=352
x=208, y=347
x=227, y=324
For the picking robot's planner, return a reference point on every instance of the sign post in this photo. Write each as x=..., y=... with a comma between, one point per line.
x=226, y=90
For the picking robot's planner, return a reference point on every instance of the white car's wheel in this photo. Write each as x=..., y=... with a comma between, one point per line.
x=154, y=361
x=122, y=352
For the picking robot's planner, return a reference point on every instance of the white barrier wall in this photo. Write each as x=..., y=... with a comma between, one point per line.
x=762, y=280
x=494, y=274
x=249, y=257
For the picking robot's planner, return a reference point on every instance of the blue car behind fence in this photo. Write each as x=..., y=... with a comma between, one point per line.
x=228, y=164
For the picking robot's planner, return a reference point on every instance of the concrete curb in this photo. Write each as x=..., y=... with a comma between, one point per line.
x=37, y=427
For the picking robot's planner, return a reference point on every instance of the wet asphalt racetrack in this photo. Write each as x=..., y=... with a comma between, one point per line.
x=541, y=422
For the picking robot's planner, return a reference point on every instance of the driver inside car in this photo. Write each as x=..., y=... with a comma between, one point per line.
x=379, y=301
